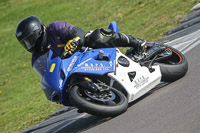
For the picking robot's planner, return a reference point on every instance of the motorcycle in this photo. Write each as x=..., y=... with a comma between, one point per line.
x=103, y=82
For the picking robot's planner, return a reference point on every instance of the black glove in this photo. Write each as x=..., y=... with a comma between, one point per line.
x=72, y=46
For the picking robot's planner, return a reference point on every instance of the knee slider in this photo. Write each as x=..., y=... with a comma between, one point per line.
x=106, y=32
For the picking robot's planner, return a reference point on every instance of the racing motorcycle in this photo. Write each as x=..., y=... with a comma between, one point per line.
x=103, y=82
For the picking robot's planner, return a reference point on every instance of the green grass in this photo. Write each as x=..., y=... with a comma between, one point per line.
x=22, y=101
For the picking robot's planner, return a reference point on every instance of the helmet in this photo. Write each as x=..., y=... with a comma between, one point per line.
x=30, y=33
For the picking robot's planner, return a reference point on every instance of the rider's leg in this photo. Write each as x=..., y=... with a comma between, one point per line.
x=105, y=38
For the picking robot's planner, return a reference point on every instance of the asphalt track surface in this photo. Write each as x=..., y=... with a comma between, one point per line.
x=168, y=108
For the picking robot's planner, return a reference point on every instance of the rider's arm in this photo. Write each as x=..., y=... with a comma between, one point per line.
x=66, y=31
x=76, y=32
x=61, y=32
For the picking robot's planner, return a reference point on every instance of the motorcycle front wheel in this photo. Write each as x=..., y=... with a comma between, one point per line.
x=105, y=104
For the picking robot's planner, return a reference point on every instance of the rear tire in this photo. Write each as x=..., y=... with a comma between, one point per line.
x=174, y=67
x=98, y=108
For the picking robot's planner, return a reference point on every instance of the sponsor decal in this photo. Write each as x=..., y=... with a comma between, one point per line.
x=97, y=66
x=141, y=81
x=52, y=67
x=84, y=62
x=72, y=63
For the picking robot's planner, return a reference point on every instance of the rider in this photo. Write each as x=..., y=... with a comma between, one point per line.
x=64, y=39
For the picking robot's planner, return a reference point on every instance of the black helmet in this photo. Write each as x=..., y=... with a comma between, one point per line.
x=30, y=33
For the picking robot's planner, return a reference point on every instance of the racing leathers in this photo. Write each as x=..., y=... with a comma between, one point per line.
x=59, y=33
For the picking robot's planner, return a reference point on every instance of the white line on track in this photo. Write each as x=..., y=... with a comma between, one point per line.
x=194, y=44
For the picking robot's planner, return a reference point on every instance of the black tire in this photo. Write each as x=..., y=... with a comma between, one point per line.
x=95, y=108
x=174, y=67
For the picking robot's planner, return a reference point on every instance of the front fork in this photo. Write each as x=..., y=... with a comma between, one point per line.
x=88, y=84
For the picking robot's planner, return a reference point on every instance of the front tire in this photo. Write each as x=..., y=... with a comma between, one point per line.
x=107, y=108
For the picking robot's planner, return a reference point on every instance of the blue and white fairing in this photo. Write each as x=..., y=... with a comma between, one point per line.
x=88, y=64
x=59, y=70
x=134, y=78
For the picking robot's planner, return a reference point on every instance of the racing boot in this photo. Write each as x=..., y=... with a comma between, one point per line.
x=151, y=49
x=142, y=49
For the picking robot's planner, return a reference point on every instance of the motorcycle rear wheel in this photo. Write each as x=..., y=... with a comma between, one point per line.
x=174, y=67
x=104, y=108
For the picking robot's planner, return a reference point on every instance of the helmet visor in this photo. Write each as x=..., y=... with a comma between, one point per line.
x=30, y=41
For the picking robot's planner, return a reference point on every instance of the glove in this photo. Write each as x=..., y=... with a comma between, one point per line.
x=71, y=46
